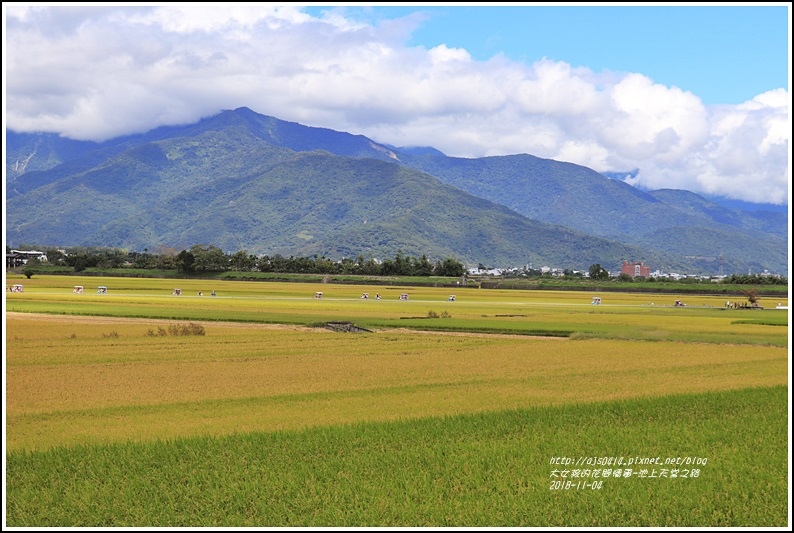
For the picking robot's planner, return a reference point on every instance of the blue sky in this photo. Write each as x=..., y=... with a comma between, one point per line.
x=665, y=97
x=726, y=54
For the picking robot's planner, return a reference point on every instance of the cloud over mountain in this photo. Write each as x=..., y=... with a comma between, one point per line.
x=100, y=72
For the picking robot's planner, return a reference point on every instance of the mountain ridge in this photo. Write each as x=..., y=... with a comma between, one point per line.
x=585, y=208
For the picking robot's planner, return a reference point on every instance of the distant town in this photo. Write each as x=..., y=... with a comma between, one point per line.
x=217, y=261
x=630, y=269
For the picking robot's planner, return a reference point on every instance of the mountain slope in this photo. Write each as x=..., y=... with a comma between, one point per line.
x=208, y=182
x=773, y=223
x=236, y=191
x=582, y=199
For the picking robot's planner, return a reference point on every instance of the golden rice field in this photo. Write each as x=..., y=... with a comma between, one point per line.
x=73, y=379
x=627, y=316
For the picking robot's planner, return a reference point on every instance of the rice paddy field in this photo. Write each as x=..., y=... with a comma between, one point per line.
x=138, y=407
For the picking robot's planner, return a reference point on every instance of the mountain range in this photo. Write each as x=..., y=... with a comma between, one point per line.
x=240, y=180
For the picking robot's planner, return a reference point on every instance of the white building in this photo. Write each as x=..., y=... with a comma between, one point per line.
x=25, y=255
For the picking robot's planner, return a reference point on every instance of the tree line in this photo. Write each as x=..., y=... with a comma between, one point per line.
x=202, y=258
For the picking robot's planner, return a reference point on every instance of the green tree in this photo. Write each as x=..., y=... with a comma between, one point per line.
x=369, y=267
x=242, y=261
x=598, y=272
x=402, y=264
x=423, y=267
x=185, y=261
x=55, y=256
x=81, y=261
x=450, y=268
x=209, y=258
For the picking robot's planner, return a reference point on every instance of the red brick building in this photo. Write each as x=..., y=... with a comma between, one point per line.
x=636, y=270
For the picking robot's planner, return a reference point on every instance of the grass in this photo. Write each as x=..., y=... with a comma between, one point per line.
x=475, y=470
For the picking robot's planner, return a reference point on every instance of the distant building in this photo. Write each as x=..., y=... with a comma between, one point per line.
x=636, y=270
x=18, y=258
x=14, y=260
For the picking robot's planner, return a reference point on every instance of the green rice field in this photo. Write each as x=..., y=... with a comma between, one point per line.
x=502, y=408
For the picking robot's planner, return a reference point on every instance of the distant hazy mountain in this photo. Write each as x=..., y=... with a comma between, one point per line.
x=737, y=205
x=244, y=181
x=748, y=206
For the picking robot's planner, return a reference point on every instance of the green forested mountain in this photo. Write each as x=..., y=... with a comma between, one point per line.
x=579, y=198
x=244, y=181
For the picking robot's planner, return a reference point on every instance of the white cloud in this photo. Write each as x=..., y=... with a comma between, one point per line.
x=95, y=73
x=441, y=54
x=215, y=18
x=552, y=87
